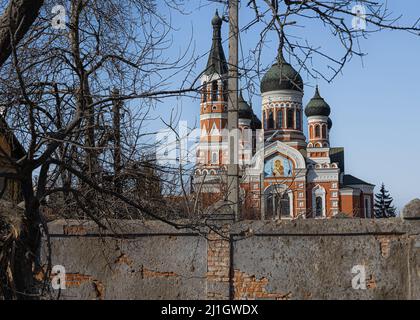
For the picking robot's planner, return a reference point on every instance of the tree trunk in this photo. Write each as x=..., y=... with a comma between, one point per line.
x=17, y=18
x=27, y=252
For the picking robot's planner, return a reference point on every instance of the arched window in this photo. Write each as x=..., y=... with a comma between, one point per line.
x=318, y=207
x=298, y=120
x=214, y=158
x=204, y=92
x=214, y=88
x=318, y=202
x=311, y=132
x=290, y=119
x=324, y=131
x=284, y=205
x=269, y=206
x=270, y=120
x=265, y=121
x=225, y=91
x=278, y=202
x=280, y=119
x=317, y=131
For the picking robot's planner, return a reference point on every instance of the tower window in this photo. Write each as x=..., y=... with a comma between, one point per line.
x=311, y=132
x=298, y=120
x=204, y=92
x=280, y=119
x=324, y=131
x=270, y=120
x=225, y=91
x=317, y=131
x=290, y=119
x=214, y=88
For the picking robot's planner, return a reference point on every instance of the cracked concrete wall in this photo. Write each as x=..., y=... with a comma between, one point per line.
x=301, y=259
x=148, y=261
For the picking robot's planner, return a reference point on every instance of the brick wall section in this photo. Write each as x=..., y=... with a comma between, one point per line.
x=218, y=266
x=300, y=259
x=248, y=287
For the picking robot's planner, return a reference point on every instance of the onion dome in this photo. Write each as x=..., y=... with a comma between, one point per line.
x=281, y=76
x=330, y=123
x=317, y=106
x=217, y=21
x=244, y=109
x=217, y=60
x=255, y=122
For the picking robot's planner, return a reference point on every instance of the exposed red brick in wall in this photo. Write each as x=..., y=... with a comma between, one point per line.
x=74, y=230
x=146, y=273
x=124, y=259
x=371, y=282
x=74, y=280
x=385, y=244
x=249, y=287
x=218, y=263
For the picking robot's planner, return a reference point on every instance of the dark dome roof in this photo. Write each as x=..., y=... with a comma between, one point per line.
x=244, y=109
x=217, y=21
x=330, y=123
x=255, y=122
x=281, y=76
x=317, y=106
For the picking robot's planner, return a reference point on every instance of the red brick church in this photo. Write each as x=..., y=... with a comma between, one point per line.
x=297, y=176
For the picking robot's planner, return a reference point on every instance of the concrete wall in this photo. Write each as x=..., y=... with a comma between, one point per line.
x=301, y=259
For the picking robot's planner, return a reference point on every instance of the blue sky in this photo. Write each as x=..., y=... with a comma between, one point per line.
x=375, y=103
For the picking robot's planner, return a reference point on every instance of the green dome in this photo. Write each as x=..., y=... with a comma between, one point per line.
x=244, y=109
x=330, y=123
x=317, y=106
x=217, y=21
x=281, y=76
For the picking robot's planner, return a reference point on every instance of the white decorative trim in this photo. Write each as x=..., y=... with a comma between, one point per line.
x=214, y=115
x=313, y=119
x=323, y=175
x=364, y=188
x=282, y=95
x=349, y=192
x=284, y=149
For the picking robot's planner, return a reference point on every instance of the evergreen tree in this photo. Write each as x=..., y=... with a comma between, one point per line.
x=383, y=204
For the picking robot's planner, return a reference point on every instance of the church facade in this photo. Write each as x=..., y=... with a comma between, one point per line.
x=283, y=173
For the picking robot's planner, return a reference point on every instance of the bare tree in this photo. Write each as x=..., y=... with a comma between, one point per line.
x=84, y=142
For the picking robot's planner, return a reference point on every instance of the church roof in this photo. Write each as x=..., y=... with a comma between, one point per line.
x=337, y=156
x=217, y=60
x=281, y=76
x=244, y=109
x=349, y=180
x=317, y=106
